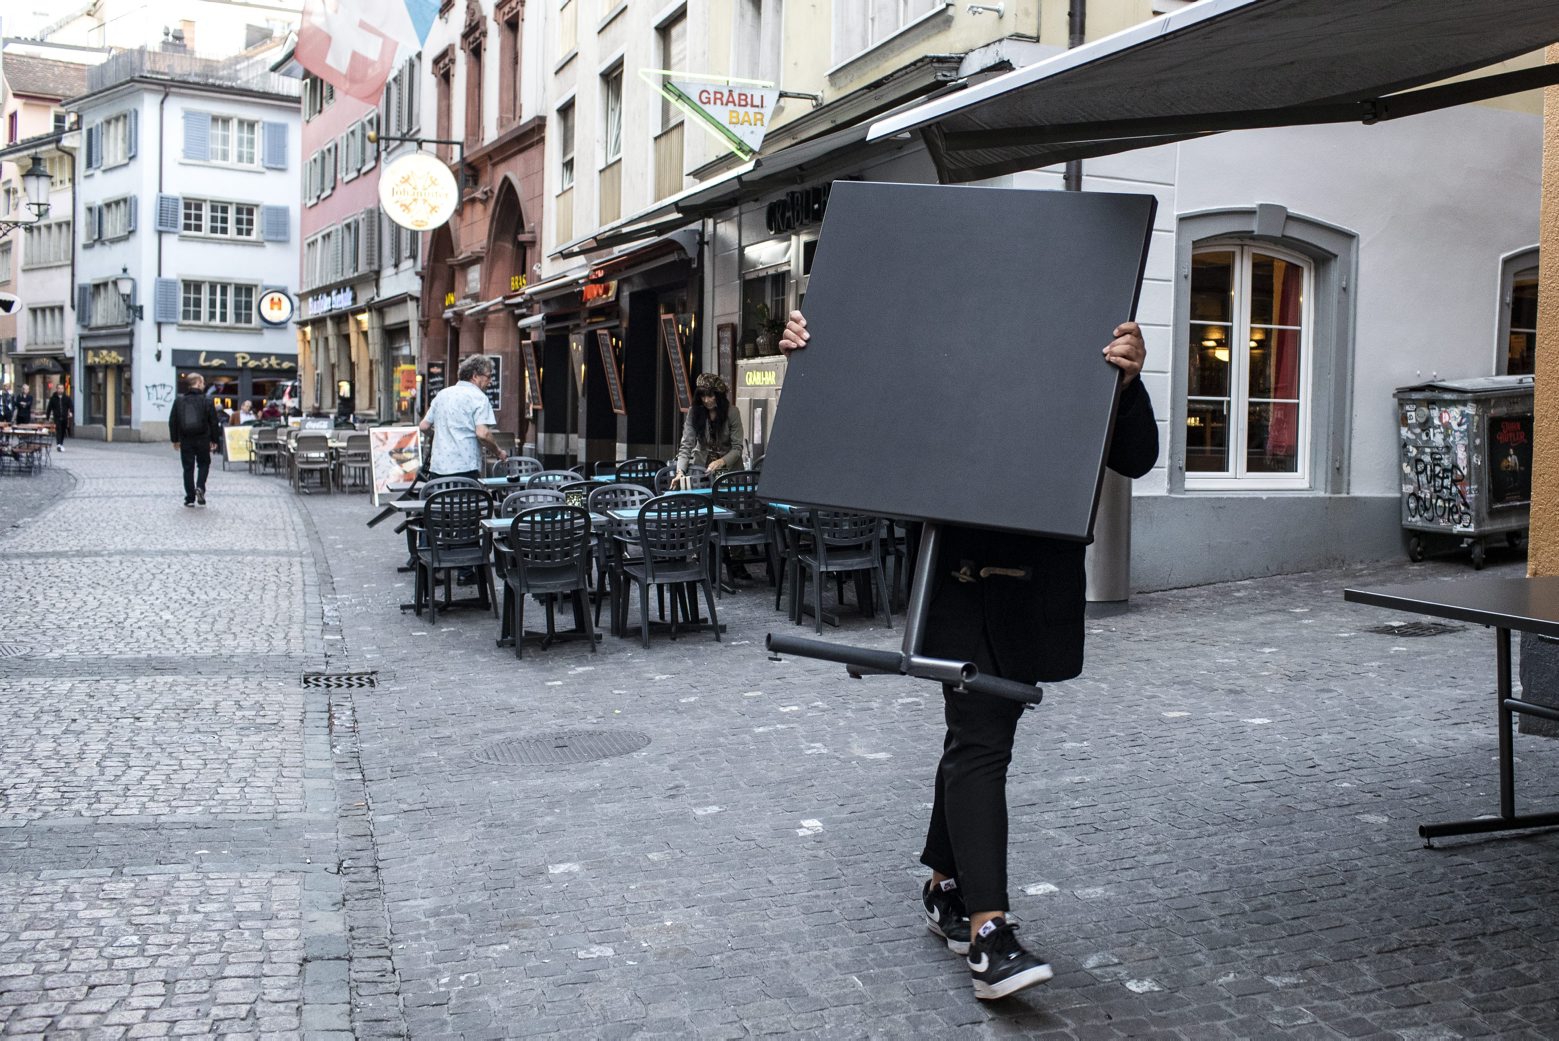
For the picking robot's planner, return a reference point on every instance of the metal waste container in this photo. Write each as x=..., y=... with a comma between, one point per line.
x=1466, y=456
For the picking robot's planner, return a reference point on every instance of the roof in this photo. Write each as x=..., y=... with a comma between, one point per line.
x=1232, y=64
x=42, y=77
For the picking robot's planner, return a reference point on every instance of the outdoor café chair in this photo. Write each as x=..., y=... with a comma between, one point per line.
x=548, y=554
x=619, y=541
x=737, y=491
x=697, y=477
x=521, y=466
x=265, y=450
x=525, y=498
x=841, y=542
x=412, y=526
x=673, y=537
x=604, y=469
x=354, y=464
x=551, y=477
x=452, y=539
x=639, y=470
x=311, y=455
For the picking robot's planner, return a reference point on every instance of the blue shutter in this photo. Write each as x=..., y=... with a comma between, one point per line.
x=169, y=208
x=167, y=300
x=132, y=134
x=94, y=146
x=197, y=136
x=274, y=223
x=83, y=305
x=88, y=225
x=275, y=152
x=134, y=202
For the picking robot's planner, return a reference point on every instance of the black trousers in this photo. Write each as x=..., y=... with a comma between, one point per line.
x=196, y=457
x=59, y=431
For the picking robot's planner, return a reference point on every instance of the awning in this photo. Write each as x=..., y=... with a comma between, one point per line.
x=683, y=241
x=1230, y=65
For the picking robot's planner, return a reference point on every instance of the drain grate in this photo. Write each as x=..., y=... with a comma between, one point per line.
x=12, y=650
x=340, y=680
x=572, y=746
x=1417, y=629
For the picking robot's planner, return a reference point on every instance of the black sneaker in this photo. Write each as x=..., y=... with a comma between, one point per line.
x=999, y=965
x=200, y=496
x=189, y=504
x=945, y=914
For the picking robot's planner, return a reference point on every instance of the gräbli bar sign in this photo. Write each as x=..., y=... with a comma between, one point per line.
x=738, y=114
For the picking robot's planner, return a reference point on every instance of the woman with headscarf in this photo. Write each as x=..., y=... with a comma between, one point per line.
x=712, y=431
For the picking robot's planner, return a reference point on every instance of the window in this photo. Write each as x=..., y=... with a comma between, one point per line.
x=105, y=307
x=233, y=141
x=509, y=107
x=568, y=28
x=11, y=123
x=1518, y=313
x=759, y=34
x=216, y=303
x=862, y=25
x=474, y=50
x=116, y=219
x=612, y=93
x=61, y=171
x=444, y=76
x=61, y=122
x=213, y=218
x=566, y=146
x=46, y=245
x=400, y=99
x=116, y=140
x=673, y=57
x=5, y=262
x=46, y=325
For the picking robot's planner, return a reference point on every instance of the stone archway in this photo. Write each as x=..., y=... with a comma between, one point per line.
x=505, y=271
x=438, y=281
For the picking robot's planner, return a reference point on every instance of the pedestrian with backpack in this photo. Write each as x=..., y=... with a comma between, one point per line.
x=194, y=429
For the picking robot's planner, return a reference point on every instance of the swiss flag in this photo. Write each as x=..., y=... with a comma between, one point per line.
x=354, y=44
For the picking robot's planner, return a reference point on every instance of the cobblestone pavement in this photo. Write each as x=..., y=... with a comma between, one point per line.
x=1213, y=831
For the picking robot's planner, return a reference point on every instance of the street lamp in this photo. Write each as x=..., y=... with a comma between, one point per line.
x=35, y=182
x=125, y=283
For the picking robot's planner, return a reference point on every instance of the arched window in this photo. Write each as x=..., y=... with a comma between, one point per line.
x=1248, y=372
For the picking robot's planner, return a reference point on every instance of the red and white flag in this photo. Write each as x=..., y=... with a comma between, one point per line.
x=355, y=45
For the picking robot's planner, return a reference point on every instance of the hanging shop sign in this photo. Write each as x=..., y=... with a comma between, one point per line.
x=274, y=307
x=614, y=379
x=418, y=191
x=576, y=360
x=233, y=360
x=532, y=376
x=598, y=294
x=738, y=112
x=673, y=344
x=335, y=300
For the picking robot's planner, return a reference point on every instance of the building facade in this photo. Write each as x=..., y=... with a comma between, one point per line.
x=188, y=199
x=36, y=261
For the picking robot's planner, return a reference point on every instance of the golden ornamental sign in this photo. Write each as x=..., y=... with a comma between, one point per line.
x=418, y=192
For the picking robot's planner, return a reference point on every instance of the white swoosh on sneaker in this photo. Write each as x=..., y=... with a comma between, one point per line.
x=980, y=966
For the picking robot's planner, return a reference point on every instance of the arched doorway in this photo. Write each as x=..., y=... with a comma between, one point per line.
x=440, y=341
x=504, y=273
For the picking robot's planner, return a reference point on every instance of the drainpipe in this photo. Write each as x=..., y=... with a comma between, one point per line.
x=1076, y=29
x=162, y=137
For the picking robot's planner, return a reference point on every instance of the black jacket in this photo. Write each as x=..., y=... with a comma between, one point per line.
x=194, y=417
x=23, y=412
x=60, y=407
x=7, y=405
x=1028, y=629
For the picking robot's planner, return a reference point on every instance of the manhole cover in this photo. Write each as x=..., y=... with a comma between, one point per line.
x=1417, y=629
x=12, y=650
x=339, y=680
x=573, y=746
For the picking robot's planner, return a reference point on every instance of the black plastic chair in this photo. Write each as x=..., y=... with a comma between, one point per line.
x=639, y=471
x=452, y=540
x=673, y=536
x=543, y=478
x=265, y=450
x=617, y=543
x=696, y=477
x=525, y=498
x=547, y=554
x=738, y=492
x=841, y=542
x=520, y=466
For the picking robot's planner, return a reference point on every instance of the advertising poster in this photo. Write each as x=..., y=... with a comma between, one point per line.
x=1509, y=448
x=396, y=454
x=235, y=444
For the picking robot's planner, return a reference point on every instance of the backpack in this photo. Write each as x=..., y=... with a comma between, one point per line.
x=192, y=414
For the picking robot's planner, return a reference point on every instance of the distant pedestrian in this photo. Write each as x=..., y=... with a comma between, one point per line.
x=246, y=413
x=59, y=410
x=271, y=411
x=24, y=404
x=194, y=428
x=7, y=404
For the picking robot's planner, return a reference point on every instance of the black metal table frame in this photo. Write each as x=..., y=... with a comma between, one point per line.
x=1506, y=707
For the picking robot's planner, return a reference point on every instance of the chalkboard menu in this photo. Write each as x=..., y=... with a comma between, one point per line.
x=432, y=383
x=669, y=337
x=532, y=376
x=495, y=385
x=614, y=380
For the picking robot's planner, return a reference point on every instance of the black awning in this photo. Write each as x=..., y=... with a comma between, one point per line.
x=1234, y=64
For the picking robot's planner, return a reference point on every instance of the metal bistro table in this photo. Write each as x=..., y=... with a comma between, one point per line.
x=1529, y=605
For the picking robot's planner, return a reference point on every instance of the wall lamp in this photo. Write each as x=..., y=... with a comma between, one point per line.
x=36, y=182
x=999, y=10
x=126, y=286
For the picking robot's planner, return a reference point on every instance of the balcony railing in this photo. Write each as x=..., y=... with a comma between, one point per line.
x=251, y=73
x=668, y=161
x=611, y=192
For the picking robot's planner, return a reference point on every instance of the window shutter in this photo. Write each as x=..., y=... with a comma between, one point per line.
x=97, y=223
x=330, y=169
x=132, y=135
x=169, y=208
x=84, y=305
x=166, y=306
x=275, y=146
x=88, y=226
x=336, y=268
x=197, y=136
x=134, y=202
x=370, y=149
x=94, y=146
x=274, y=221
x=370, y=226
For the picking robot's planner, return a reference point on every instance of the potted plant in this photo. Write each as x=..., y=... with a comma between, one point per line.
x=770, y=329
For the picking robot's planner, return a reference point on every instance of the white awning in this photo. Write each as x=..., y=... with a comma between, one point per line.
x=1222, y=65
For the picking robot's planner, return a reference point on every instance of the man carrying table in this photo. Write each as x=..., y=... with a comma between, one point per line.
x=1013, y=604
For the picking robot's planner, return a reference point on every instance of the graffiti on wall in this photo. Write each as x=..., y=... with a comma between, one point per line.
x=1437, y=457
x=159, y=395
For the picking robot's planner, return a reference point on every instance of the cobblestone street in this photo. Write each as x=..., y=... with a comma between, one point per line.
x=1213, y=830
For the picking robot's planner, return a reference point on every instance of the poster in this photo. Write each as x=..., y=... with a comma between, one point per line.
x=396, y=454
x=673, y=342
x=614, y=380
x=1509, y=446
x=532, y=376
x=236, y=444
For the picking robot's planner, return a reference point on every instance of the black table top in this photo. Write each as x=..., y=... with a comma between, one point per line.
x=1524, y=604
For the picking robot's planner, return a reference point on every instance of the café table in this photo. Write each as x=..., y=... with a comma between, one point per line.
x=1519, y=604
